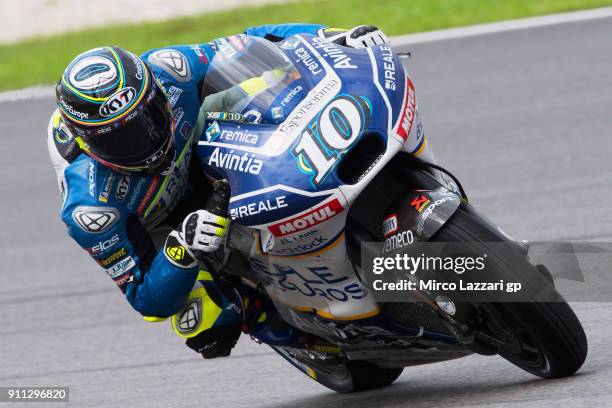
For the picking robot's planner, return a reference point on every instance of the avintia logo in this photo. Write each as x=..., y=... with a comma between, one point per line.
x=246, y=163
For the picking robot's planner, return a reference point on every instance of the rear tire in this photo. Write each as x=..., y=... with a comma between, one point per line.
x=551, y=339
x=343, y=375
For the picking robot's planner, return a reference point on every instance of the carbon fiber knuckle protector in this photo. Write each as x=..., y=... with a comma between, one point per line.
x=190, y=228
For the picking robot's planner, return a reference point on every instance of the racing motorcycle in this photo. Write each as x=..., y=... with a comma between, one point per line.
x=323, y=149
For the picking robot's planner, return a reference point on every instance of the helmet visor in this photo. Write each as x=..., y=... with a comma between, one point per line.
x=141, y=141
x=138, y=139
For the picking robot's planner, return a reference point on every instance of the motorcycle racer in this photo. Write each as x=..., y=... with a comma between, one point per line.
x=133, y=193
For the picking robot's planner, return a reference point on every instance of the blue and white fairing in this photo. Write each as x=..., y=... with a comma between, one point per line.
x=304, y=104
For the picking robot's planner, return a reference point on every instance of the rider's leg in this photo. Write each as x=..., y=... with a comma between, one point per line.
x=211, y=320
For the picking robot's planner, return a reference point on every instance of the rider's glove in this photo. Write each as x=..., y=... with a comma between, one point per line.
x=365, y=36
x=201, y=231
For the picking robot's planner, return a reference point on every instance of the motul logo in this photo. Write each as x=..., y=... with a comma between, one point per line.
x=407, y=117
x=310, y=219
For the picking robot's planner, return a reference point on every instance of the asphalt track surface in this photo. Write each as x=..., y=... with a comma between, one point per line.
x=524, y=119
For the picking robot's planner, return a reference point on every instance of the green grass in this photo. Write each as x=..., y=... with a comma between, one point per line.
x=41, y=61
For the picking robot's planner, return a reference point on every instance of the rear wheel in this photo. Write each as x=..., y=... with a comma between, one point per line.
x=341, y=374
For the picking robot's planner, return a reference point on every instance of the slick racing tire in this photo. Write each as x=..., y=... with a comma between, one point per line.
x=544, y=338
x=343, y=375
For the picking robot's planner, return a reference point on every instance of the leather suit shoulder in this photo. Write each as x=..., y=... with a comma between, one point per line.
x=61, y=142
x=179, y=65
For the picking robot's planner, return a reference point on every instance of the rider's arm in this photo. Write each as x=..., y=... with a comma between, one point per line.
x=357, y=37
x=278, y=32
x=100, y=220
x=221, y=100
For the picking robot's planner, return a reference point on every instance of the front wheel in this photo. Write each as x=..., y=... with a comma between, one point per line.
x=341, y=374
x=551, y=341
x=543, y=338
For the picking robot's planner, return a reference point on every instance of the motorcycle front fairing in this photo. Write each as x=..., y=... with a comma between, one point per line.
x=283, y=92
x=302, y=107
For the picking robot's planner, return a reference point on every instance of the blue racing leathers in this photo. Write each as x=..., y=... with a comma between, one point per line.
x=119, y=219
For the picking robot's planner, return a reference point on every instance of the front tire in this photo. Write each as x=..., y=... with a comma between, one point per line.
x=553, y=342
x=547, y=337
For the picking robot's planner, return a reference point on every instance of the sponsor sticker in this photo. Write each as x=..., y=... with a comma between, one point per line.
x=333, y=51
x=178, y=115
x=199, y=52
x=232, y=136
x=123, y=187
x=429, y=209
x=174, y=94
x=121, y=281
x=213, y=131
x=121, y=267
x=95, y=219
x=118, y=102
x=295, y=91
x=148, y=195
x=390, y=225
x=176, y=252
x=303, y=112
x=69, y=109
x=108, y=184
x=115, y=256
x=408, y=111
x=245, y=163
x=173, y=62
x=419, y=203
x=137, y=189
x=229, y=116
x=389, y=67
x=398, y=241
x=91, y=177
x=277, y=112
x=307, y=220
x=186, y=129
x=258, y=207
x=308, y=60
x=309, y=246
x=103, y=246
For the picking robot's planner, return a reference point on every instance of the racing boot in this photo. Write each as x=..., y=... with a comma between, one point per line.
x=262, y=321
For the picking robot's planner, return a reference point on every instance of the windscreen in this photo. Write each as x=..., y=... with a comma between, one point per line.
x=247, y=75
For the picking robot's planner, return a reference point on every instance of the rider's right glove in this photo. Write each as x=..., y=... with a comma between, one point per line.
x=200, y=231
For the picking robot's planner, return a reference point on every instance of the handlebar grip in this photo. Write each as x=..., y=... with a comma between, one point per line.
x=218, y=201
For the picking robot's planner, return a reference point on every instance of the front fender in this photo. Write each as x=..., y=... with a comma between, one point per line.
x=417, y=215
